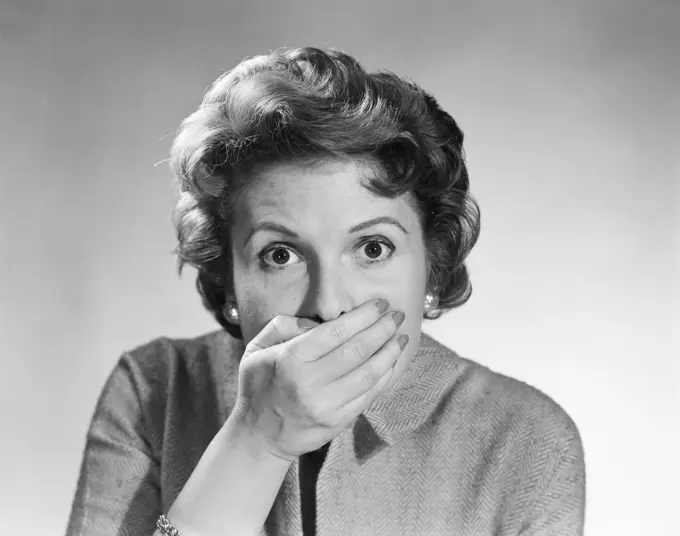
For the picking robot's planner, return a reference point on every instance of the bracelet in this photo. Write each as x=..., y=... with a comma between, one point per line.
x=166, y=528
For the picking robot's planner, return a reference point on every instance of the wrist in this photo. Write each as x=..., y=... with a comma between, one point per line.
x=241, y=428
x=234, y=484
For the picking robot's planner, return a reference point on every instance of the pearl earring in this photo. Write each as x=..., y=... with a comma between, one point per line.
x=430, y=302
x=231, y=313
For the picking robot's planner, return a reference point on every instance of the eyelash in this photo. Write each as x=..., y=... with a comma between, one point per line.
x=366, y=240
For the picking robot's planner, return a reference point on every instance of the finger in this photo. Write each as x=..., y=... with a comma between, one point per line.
x=324, y=338
x=366, y=377
x=356, y=351
x=278, y=330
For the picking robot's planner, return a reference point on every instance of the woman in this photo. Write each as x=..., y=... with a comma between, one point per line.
x=328, y=212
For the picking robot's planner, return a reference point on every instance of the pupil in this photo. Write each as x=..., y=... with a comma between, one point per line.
x=373, y=247
x=281, y=255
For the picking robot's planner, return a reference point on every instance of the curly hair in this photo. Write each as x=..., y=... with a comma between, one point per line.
x=310, y=105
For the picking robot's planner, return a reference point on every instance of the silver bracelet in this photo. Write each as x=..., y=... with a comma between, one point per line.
x=166, y=528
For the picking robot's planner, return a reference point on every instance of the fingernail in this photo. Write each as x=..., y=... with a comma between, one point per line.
x=306, y=323
x=398, y=318
x=382, y=305
x=402, y=340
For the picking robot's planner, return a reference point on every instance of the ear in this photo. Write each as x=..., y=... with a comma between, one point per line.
x=431, y=285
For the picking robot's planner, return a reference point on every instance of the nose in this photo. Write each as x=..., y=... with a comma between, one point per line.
x=328, y=296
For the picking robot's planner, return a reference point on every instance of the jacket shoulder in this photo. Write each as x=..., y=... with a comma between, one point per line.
x=504, y=403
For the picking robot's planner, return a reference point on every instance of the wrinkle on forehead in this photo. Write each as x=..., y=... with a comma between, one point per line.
x=290, y=182
x=320, y=197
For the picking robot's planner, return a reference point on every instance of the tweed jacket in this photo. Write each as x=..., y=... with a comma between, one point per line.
x=453, y=449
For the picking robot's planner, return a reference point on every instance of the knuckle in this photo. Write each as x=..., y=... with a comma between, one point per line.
x=369, y=377
x=359, y=352
x=320, y=414
x=323, y=413
x=329, y=418
x=338, y=332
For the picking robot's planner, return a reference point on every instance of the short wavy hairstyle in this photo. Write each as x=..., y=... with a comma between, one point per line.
x=310, y=105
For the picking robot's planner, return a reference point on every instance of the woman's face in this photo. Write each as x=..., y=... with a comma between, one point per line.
x=313, y=242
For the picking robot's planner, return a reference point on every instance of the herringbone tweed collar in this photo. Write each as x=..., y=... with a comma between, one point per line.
x=411, y=401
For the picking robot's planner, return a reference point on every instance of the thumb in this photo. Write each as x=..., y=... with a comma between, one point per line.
x=278, y=330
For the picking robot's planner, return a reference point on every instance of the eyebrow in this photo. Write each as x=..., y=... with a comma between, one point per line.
x=376, y=221
x=278, y=228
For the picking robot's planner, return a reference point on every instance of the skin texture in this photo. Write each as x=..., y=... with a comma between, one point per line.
x=320, y=269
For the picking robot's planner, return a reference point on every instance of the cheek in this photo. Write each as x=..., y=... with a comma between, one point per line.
x=410, y=297
x=253, y=318
x=259, y=305
x=255, y=302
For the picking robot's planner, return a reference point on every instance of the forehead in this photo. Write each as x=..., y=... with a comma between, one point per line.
x=323, y=194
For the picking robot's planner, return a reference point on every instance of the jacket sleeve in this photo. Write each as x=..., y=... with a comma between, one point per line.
x=559, y=510
x=118, y=490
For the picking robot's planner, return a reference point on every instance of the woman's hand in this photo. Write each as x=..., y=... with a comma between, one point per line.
x=301, y=383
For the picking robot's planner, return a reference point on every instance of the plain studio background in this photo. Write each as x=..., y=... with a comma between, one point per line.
x=570, y=121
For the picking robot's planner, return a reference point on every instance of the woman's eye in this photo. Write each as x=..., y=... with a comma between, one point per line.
x=376, y=250
x=279, y=256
